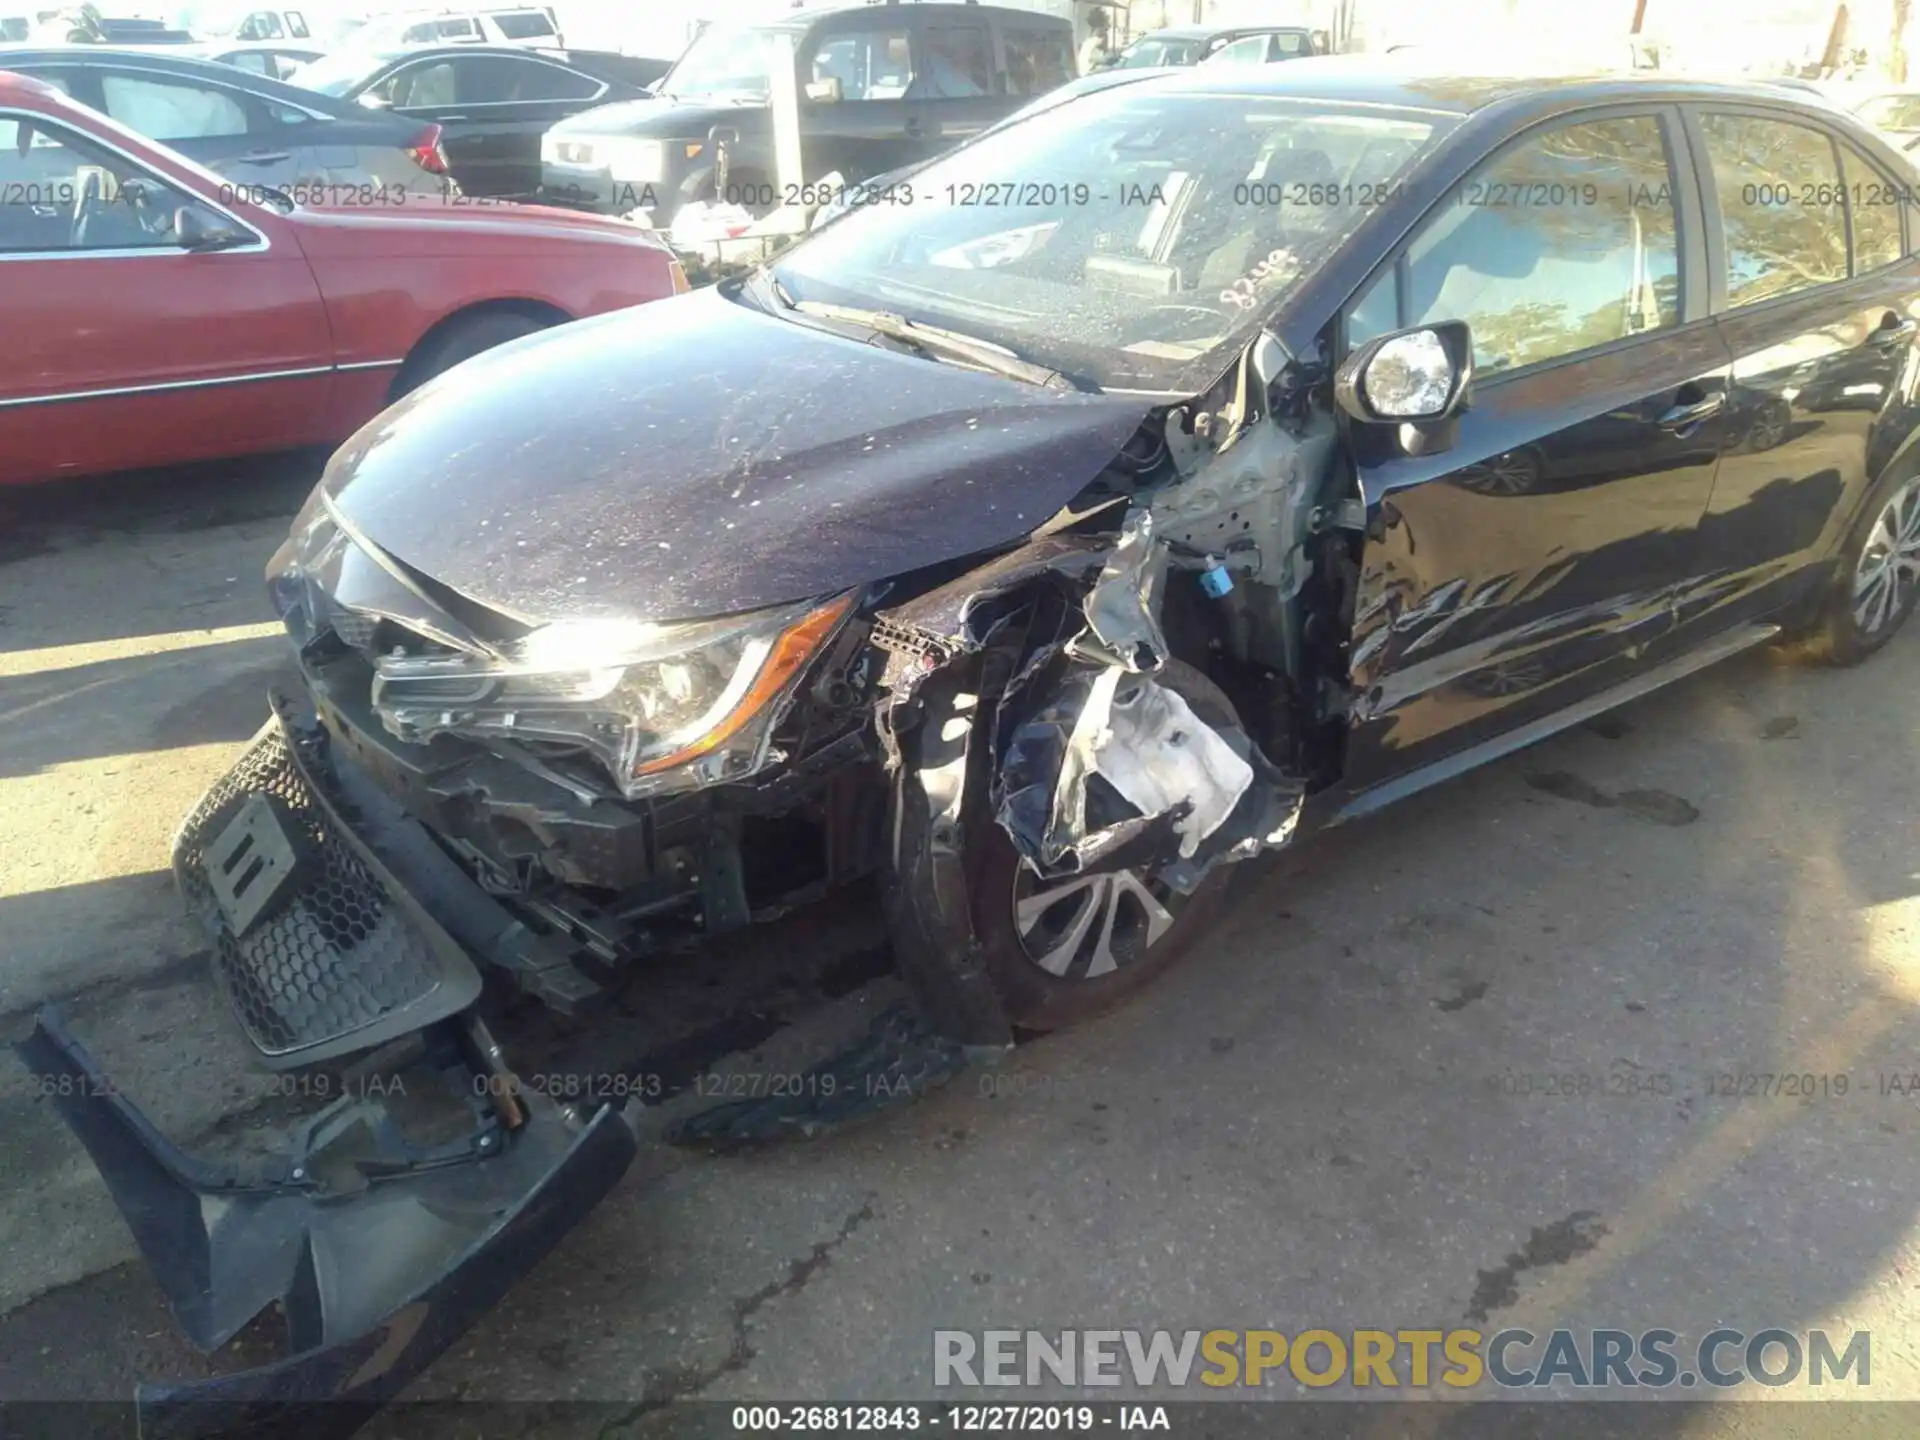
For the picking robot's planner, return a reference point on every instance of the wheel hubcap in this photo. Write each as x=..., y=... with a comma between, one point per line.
x=1890, y=563
x=1091, y=925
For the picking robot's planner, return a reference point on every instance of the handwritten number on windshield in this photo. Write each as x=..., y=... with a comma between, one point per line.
x=1242, y=294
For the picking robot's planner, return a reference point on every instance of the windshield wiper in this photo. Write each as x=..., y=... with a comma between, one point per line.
x=932, y=340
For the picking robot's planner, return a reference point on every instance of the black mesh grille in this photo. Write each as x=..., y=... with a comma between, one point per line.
x=338, y=956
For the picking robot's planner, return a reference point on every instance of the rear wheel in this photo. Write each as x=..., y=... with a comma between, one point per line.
x=1877, y=582
x=1062, y=951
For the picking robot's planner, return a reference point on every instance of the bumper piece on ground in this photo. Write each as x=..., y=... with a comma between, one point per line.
x=344, y=960
x=376, y=1270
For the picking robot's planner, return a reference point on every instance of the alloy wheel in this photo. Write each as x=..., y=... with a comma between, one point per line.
x=1087, y=926
x=1889, y=565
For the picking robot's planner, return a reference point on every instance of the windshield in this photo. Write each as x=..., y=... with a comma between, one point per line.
x=338, y=73
x=1148, y=52
x=1123, y=240
x=724, y=61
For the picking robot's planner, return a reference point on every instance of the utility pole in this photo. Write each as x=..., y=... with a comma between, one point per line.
x=1897, y=52
x=1639, y=17
x=1836, y=42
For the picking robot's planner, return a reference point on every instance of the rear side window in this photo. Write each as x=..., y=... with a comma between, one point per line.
x=297, y=25
x=524, y=25
x=1874, y=204
x=1291, y=45
x=1782, y=209
x=1037, y=60
x=1251, y=50
x=956, y=63
x=869, y=64
x=163, y=110
x=534, y=81
x=1562, y=242
x=417, y=85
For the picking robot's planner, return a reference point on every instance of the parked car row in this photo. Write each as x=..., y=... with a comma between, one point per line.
x=156, y=312
x=493, y=105
x=254, y=131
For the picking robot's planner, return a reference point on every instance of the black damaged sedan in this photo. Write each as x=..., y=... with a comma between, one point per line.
x=1193, y=465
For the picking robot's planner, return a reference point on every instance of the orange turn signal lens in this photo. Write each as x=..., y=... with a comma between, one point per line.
x=796, y=645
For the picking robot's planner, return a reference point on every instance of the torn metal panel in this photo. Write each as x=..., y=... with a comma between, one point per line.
x=1123, y=607
x=1168, y=781
x=960, y=613
x=925, y=888
x=1152, y=748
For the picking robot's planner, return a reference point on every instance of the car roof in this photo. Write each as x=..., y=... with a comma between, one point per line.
x=387, y=54
x=1207, y=32
x=165, y=60
x=1338, y=79
x=801, y=19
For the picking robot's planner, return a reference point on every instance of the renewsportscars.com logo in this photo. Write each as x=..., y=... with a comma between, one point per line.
x=1461, y=1359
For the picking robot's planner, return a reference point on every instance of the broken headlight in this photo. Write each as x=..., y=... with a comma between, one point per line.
x=662, y=707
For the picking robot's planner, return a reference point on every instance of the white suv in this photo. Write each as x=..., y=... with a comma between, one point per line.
x=532, y=26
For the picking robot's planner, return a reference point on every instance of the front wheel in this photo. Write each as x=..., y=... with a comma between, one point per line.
x=1877, y=582
x=1062, y=951
x=467, y=337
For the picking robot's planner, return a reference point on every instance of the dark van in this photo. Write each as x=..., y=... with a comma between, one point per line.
x=879, y=86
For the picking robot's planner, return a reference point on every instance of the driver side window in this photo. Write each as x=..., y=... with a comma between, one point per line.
x=64, y=193
x=1563, y=242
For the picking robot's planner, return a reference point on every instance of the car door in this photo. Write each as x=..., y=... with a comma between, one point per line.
x=222, y=127
x=492, y=110
x=1822, y=336
x=957, y=89
x=1530, y=563
x=1035, y=57
x=123, y=348
x=855, y=70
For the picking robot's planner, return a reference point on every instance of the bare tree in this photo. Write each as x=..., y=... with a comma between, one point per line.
x=1897, y=50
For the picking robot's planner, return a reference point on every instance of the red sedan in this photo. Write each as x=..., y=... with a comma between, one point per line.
x=155, y=313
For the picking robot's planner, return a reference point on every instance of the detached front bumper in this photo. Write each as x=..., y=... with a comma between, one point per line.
x=396, y=1219
x=377, y=1268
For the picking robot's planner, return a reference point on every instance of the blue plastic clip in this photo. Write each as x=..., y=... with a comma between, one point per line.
x=1215, y=581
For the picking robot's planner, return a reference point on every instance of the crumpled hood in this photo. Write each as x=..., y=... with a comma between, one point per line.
x=697, y=457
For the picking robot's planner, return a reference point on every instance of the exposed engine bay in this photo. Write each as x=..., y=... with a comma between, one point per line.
x=626, y=788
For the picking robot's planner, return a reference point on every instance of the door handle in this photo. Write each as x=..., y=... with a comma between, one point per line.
x=1893, y=330
x=1685, y=417
x=264, y=158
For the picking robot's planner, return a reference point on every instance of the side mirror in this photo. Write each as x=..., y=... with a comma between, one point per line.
x=1416, y=379
x=200, y=230
x=824, y=92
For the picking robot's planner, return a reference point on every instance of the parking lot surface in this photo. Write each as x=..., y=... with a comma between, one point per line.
x=1335, y=1113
